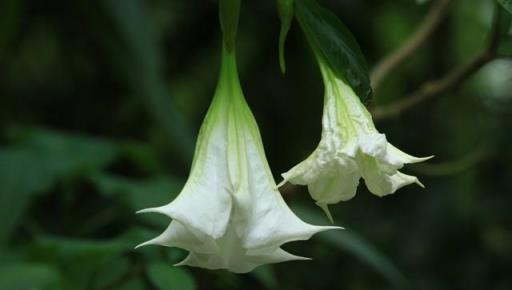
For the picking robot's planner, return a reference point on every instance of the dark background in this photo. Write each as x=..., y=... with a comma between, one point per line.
x=101, y=101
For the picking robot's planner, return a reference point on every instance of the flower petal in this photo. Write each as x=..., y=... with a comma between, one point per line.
x=398, y=158
x=335, y=188
x=235, y=258
x=374, y=145
x=177, y=235
x=379, y=181
x=205, y=202
x=302, y=173
x=269, y=221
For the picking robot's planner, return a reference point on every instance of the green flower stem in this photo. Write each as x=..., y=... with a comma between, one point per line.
x=229, y=13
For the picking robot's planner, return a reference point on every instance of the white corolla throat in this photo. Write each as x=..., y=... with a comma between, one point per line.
x=350, y=148
x=230, y=214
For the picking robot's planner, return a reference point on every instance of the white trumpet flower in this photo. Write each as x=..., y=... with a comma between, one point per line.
x=230, y=214
x=350, y=148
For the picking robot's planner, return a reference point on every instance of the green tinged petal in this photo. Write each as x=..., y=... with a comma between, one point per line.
x=350, y=148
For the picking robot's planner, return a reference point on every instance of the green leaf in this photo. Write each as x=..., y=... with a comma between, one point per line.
x=142, y=155
x=134, y=284
x=38, y=159
x=73, y=250
x=141, y=194
x=21, y=176
x=65, y=153
x=331, y=40
x=229, y=13
x=167, y=277
x=133, y=46
x=347, y=240
x=28, y=277
x=266, y=276
x=507, y=4
x=79, y=260
x=111, y=271
x=285, y=10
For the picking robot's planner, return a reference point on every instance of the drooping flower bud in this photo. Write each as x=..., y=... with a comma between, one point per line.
x=350, y=148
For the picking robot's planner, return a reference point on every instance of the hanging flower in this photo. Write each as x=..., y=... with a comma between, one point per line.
x=230, y=214
x=350, y=148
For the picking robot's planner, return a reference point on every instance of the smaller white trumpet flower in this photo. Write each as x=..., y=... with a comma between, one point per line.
x=230, y=214
x=350, y=148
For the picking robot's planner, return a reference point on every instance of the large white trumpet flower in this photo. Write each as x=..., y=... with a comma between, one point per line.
x=350, y=148
x=230, y=214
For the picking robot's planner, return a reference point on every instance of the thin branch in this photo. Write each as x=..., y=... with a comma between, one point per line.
x=425, y=30
x=450, y=80
x=432, y=88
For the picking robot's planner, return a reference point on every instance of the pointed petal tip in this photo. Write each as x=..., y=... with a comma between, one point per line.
x=147, y=243
x=292, y=257
x=426, y=158
x=282, y=183
x=418, y=182
x=421, y=159
x=325, y=208
x=328, y=228
x=147, y=210
x=335, y=228
x=185, y=261
x=157, y=241
x=160, y=210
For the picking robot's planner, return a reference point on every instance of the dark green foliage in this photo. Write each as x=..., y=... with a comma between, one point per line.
x=100, y=103
x=166, y=277
x=39, y=159
x=35, y=276
x=507, y=4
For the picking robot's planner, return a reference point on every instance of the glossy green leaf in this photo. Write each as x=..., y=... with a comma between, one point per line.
x=348, y=240
x=229, y=13
x=507, y=4
x=285, y=10
x=28, y=277
x=167, y=277
x=331, y=40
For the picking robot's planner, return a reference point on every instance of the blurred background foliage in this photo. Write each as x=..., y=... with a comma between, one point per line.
x=101, y=101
